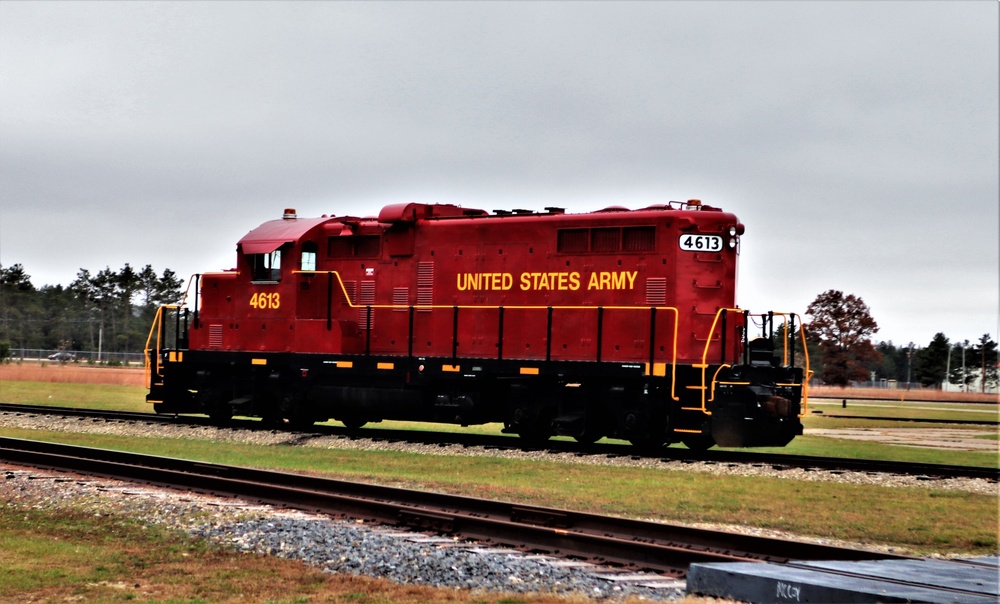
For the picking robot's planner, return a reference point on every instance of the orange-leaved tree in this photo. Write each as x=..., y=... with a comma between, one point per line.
x=843, y=326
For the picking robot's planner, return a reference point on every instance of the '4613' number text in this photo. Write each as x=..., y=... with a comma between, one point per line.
x=262, y=301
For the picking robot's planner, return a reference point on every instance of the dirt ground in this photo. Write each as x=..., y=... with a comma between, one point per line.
x=79, y=373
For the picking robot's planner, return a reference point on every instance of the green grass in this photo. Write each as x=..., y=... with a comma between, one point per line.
x=103, y=397
x=919, y=519
x=81, y=549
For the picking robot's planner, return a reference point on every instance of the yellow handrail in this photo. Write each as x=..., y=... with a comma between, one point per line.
x=155, y=327
x=676, y=313
x=807, y=374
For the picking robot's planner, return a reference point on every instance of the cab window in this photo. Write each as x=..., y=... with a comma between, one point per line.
x=308, y=260
x=266, y=267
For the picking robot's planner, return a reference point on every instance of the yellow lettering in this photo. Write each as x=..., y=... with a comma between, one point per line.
x=525, y=281
x=574, y=281
x=484, y=281
x=611, y=280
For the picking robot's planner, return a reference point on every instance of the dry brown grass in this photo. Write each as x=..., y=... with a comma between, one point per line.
x=76, y=373
x=901, y=395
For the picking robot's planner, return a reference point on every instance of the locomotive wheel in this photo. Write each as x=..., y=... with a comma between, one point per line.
x=698, y=442
x=531, y=426
x=352, y=423
x=215, y=407
x=588, y=437
x=291, y=408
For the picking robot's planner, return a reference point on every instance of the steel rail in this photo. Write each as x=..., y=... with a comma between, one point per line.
x=667, y=454
x=959, y=422
x=608, y=540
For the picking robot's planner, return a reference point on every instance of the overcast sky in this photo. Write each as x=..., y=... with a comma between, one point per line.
x=858, y=141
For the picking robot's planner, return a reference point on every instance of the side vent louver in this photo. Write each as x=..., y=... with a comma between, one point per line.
x=656, y=291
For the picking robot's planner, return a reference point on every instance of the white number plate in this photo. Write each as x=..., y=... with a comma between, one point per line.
x=701, y=243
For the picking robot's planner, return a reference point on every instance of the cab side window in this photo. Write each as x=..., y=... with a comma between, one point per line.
x=308, y=261
x=266, y=267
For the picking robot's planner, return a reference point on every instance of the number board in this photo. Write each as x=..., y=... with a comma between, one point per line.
x=701, y=243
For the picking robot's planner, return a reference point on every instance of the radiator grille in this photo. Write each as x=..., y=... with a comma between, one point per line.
x=425, y=274
x=351, y=288
x=400, y=298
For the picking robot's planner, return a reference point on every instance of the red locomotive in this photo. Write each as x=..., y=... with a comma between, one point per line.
x=611, y=323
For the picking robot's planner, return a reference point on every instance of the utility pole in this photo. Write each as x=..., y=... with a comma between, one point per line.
x=909, y=364
x=947, y=369
x=965, y=376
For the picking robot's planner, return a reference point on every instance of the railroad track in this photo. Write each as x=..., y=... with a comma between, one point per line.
x=632, y=544
x=959, y=422
x=775, y=460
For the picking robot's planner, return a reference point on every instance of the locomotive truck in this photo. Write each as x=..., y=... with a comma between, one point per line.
x=614, y=323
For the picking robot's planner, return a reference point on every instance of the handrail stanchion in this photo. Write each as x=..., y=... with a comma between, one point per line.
x=652, y=338
x=600, y=331
x=329, y=301
x=368, y=330
x=722, y=337
x=409, y=339
x=790, y=338
x=500, y=334
x=746, y=337
x=454, y=334
x=548, y=335
x=197, y=287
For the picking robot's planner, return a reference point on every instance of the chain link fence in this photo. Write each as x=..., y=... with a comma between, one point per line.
x=77, y=356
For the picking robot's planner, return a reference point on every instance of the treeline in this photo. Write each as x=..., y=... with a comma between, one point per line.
x=109, y=311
